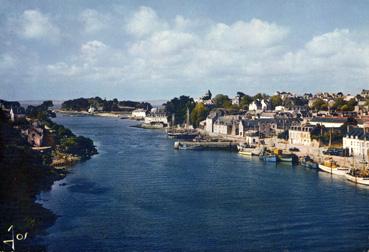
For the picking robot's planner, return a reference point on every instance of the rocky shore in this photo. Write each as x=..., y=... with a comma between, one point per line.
x=25, y=171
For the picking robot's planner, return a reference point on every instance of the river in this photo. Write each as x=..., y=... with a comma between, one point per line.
x=139, y=194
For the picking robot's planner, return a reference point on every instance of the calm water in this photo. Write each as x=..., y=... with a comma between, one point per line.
x=139, y=194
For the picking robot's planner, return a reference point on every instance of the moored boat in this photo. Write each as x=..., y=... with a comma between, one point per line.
x=330, y=166
x=358, y=176
x=246, y=151
x=270, y=158
x=308, y=162
x=287, y=158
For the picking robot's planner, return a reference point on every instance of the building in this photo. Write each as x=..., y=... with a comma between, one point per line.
x=226, y=125
x=259, y=105
x=209, y=122
x=16, y=113
x=138, y=114
x=356, y=141
x=330, y=122
x=91, y=109
x=34, y=135
x=300, y=135
x=156, y=119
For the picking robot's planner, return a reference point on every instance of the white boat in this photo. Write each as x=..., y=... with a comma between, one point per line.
x=357, y=179
x=340, y=171
x=246, y=151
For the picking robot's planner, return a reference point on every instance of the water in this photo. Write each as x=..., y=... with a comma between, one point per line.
x=139, y=194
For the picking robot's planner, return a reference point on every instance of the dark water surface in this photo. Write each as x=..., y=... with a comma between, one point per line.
x=139, y=194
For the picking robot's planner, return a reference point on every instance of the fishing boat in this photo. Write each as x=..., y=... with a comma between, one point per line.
x=287, y=158
x=246, y=151
x=308, y=162
x=330, y=166
x=270, y=158
x=358, y=176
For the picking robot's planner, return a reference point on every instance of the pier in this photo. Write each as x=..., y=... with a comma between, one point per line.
x=232, y=146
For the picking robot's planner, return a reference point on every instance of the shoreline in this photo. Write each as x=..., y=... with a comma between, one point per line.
x=123, y=115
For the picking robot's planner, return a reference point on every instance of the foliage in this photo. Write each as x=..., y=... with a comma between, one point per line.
x=222, y=101
x=83, y=104
x=319, y=104
x=246, y=100
x=198, y=114
x=276, y=100
x=323, y=134
x=260, y=96
x=178, y=106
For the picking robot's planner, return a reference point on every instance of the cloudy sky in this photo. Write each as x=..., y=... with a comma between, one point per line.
x=160, y=49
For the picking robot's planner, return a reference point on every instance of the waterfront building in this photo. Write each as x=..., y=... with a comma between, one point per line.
x=156, y=119
x=139, y=114
x=356, y=141
x=226, y=125
x=91, y=109
x=300, y=135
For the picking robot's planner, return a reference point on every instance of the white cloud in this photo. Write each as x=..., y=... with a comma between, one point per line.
x=35, y=25
x=93, y=21
x=256, y=33
x=184, y=53
x=145, y=21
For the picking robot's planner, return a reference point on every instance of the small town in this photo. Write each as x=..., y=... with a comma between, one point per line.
x=328, y=131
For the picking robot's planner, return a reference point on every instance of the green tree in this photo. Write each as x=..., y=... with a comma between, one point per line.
x=276, y=100
x=198, y=114
x=245, y=101
x=260, y=96
x=178, y=106
x=319, y=104
x=222, y=101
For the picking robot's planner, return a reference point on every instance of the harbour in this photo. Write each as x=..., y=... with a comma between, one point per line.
x=196, y=199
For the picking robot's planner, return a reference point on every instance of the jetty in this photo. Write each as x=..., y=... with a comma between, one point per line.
x=232, y=146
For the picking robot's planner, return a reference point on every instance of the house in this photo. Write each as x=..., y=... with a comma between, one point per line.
x=226, y=125
x=156, y=119
x=34, y=136
x=138, y=114
x=16, y=113
x=330, y=122
x=209, y=122
x=300, y=135
x=280, y=108
x=365, y=92
x=265, y=126
x=91, y=109
x=356, y=141
x=259, y=105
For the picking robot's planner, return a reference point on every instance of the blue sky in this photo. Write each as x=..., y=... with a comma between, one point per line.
x=160, y=49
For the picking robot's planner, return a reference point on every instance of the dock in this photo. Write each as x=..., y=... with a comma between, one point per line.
x=232, y=146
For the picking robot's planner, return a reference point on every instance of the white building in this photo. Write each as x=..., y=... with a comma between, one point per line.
x=300, y=135
x=138, y=114
x=258, y=105
x=91, y=109
x=357, y=142
x=157, y=119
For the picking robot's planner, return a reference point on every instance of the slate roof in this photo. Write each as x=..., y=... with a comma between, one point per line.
x=358, y=132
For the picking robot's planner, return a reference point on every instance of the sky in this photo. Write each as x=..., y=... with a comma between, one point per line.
x=144, y=50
